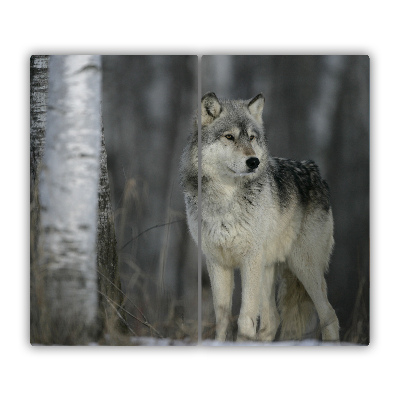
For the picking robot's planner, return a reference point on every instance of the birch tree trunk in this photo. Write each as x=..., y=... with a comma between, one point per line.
x=38, y=104
x=68, y=192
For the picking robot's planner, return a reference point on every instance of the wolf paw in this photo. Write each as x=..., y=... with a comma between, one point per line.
x=247, y=328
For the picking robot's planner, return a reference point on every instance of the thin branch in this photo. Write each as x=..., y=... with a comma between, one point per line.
x=149, y=229
x=118, y=313
x=125, y=296
x=133, y=316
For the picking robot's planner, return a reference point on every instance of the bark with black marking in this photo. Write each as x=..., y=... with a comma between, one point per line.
x=68, y=192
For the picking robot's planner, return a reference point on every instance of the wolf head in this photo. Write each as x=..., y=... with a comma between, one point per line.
x=233, y=140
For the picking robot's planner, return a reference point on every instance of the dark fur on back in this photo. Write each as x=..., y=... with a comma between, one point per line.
x=303, y=179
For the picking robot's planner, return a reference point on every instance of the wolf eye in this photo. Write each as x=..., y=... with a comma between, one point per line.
x=229, y=137
x=252, y=137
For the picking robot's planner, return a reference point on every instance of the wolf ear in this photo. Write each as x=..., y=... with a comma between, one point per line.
x=210, y=108
x=256, y=106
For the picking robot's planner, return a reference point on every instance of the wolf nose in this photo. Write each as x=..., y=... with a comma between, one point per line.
x=253, y=162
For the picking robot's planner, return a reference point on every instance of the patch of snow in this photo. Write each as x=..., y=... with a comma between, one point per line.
x=151, y=341
x=307, y=342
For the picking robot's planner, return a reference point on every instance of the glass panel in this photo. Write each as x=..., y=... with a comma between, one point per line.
x=146, y=267
x=258, y=210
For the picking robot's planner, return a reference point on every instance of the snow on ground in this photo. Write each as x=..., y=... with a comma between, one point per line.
x=308, y=342
x=149, y=341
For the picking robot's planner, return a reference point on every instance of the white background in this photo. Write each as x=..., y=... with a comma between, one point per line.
x=206, y=27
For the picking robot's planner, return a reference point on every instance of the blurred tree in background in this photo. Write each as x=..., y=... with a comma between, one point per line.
x=148, y=105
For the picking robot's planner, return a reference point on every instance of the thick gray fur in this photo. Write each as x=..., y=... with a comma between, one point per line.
x=270, y=217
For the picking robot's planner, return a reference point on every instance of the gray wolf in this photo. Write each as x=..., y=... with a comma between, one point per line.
x=270, y=217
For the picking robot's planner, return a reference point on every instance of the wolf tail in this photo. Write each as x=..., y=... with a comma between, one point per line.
x=299, y=319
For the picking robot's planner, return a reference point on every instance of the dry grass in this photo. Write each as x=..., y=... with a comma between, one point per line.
x=150, y=308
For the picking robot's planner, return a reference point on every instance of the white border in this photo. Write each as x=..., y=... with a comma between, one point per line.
x=209, y=27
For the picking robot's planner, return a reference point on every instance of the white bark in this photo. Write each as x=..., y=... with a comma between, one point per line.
x=68, y=196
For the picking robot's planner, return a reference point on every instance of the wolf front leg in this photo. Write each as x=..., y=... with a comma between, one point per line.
x=269, y=316
x=222, y=287
x=251, y=273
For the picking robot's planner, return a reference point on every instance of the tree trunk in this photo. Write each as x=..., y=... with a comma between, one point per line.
x=111, y=297
x=38, y=98
x=38, y=102
x=68, y=192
